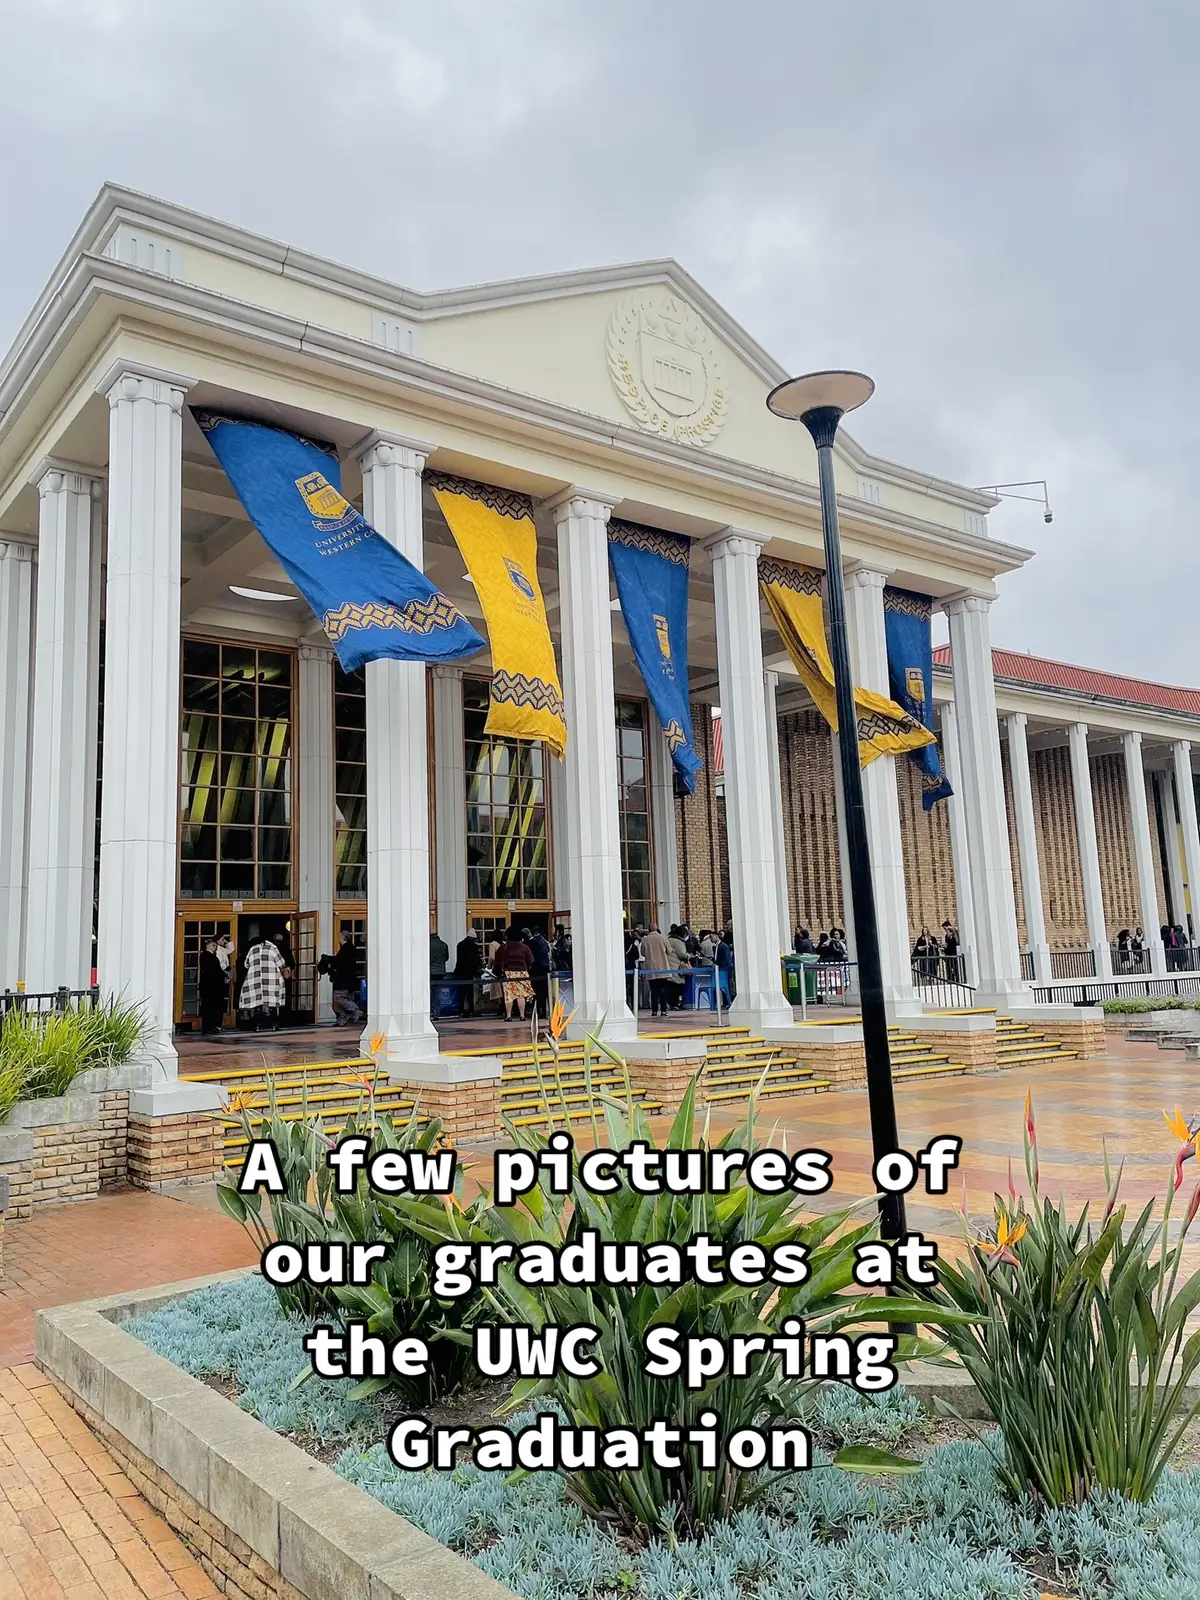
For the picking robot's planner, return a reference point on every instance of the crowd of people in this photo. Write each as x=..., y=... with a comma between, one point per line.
x=829, y=946
x=265, y=995
x=658, y=966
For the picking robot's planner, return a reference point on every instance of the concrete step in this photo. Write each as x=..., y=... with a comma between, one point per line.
x=772, y=1087
x=352, y=1065
x=931, y=1069
x=1052, y=1052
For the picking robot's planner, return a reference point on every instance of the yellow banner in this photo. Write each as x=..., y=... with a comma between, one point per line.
x=793, y=596
x=494, y=530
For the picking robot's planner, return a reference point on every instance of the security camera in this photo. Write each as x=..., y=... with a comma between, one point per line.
x=1047, y=515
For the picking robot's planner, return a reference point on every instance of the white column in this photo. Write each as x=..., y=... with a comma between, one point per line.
x=450, y=804
x=1143, y=851
x=1174, y=865
x=662, y=824
x=397, y=785
x=62, y=759
x=16, y=634
x=881, y=802
x=139, y=845
x=775, y=794
x=1031, y=872
x=315, y=764
x=753, y=882
x=591, y=834
x=1089, y=849
x=1185, y=799
x=998, y=953
x=964, y=908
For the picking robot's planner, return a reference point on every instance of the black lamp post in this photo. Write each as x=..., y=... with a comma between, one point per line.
x=820, y=400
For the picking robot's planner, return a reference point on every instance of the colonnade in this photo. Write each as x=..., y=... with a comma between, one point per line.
x=45, y=890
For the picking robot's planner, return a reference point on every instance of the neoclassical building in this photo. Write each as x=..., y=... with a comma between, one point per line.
x=180, y=754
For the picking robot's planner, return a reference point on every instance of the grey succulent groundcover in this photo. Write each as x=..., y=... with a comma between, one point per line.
x=947, y=1533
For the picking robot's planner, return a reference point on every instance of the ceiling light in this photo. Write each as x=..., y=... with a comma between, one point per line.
x=262, y=594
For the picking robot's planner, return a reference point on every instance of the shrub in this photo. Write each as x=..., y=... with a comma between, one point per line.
x=42, y=1052
x=623, y=1395
x=399, y=1302
x=1135, y=1005
x=1079, y=1344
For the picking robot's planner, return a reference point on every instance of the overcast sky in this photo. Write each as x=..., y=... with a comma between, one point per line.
x=992, y=209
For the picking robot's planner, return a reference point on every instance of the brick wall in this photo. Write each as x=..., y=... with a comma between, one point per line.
x=810, y=821
x=811, y=843
x=700, y=838
x=180, y=1149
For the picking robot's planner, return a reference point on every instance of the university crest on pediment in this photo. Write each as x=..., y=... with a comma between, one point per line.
x=666, y=367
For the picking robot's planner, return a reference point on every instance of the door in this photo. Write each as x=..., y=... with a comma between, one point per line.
x=304, y=931
x=191, y=932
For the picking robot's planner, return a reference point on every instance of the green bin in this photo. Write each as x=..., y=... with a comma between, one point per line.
x=793, y=979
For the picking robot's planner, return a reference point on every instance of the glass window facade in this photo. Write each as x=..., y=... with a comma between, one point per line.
x=235, y=840
x=634, y=798
x=507, y=848
x=350, y=784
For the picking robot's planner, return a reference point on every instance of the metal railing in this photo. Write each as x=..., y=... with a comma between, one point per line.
x=1072, y=963
x=1128, y=961
x=1027, y=969
x=941, y=981
x=50, y=1000
x=1095, y=992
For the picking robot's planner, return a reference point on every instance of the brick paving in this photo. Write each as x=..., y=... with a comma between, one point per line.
x=72, y=1526
x=127, y=1240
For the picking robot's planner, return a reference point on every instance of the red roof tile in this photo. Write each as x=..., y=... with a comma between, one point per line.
x=1014, y=667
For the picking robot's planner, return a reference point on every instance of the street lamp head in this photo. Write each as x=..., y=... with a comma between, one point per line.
x=820, y=399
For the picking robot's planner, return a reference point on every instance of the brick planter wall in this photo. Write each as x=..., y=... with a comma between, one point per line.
x=666, y=1079
x=264, y=1520
x=969, y=1040
x=50, y=1151
x=188, y=1148
x=832, y=1051
x=469, y=1112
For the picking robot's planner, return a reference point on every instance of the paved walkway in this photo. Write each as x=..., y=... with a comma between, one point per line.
x=72, y=1526
x=128, y=1240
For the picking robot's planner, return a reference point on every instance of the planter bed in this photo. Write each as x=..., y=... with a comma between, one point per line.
x=267, y=1517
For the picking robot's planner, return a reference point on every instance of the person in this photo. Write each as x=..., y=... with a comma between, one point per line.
x=1182, y=948
x=690, y=940
x=343, y=970
x=925, y=954
x=264, y=991
x=822, y=951
x=1123, y=961
x=225, y=954
x=540, y=968
x=802, y=943
x=562, y=949
x=468, y=964
x=683, y=963
x=1137, y=950
x=950, y=959
x=514, y=959
x=659, y=961
x=725, y=966
x=439, y=958
x=633, y=961
x=838, y=948
x=708, y=946
x=212, y=987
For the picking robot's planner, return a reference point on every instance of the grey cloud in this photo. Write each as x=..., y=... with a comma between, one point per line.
x=991, y=209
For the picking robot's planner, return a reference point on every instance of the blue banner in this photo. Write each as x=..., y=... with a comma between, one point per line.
x=651, y=570
x=906, y=620
x=371, y=600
